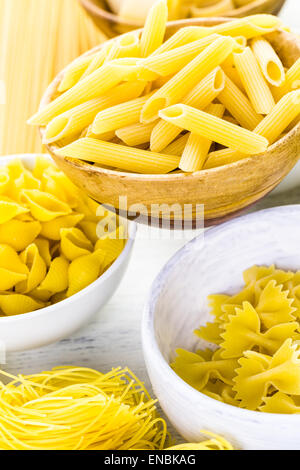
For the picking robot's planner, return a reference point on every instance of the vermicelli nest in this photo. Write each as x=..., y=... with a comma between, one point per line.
x=79, y=409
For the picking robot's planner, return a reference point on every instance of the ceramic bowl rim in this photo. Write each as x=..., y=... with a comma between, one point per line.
x=150, y=344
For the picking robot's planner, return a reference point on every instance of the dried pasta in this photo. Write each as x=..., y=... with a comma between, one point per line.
x=256, y=360
x=231, y=64
x=48, y=238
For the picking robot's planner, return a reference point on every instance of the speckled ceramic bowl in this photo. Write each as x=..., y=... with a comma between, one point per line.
x=178, y=304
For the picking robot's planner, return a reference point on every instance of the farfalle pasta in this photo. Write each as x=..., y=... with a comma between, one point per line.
x=255, y=361
x=54, y=241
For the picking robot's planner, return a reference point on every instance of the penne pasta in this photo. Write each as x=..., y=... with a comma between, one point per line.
x=154, y=29
x=127, y=158
x=127, y=45
x=291, y=82
x=118, y=116
x=74, y=72
x=100, y=81
x=177, y=146
x=253, y=81
x=199, y=97
x=72, y=122
x=215, y=129
x=238, y=105
x=223, y=157
x=136, y=134
x=98, y=59
x=269, y=62
x=284, y=112
x=178, y=86
x=169, y=63
x=197, y=147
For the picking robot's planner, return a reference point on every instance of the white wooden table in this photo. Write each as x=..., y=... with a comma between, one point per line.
x=113, y=337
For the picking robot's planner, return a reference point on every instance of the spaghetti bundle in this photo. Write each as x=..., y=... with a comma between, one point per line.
x=37, y=39
x=79, y=409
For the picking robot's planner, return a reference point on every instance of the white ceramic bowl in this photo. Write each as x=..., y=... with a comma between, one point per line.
x=53, y=323
x=178, y=304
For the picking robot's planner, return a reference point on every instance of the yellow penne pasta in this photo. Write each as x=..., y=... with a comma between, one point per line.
x=254, y=83
x=98, y=59
x=154, y=29
x=72, y=122
x=177, y=146
x=215, y=129
x=183, y=36
x=176, y=88
x=127, y=45
x=197, y=147
x=269, y=62
x=291, y=82
x=107, y=153
x=222, y=157
x=238, y=105
x=100, y=81
x=199, y=97
x=168, y=63
x=74, y=72
x=118, y=116
x=284, y=112
x=136, y=134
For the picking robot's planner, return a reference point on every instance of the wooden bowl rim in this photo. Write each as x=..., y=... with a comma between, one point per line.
x=108, y=15
x=52, y=88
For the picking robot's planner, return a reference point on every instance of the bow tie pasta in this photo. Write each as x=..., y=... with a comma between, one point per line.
x=255, y=363
x=52, y=244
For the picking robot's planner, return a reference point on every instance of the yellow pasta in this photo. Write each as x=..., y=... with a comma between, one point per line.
x=136, y=134
x=291, y=82
x=199, y=97
x=42, y=231
x=216, y=129
x=176, y=88
x=155, y=28
x=85, y=270
x=72, y=122
x=118, y=116
x=110, y=154
x=238, y=105
x=74, y=72
x=197, y=147
x=74, y=243
x=222, y=157
x=254, y=83
x=269, y=62
x=127, y=45
x=42, y=38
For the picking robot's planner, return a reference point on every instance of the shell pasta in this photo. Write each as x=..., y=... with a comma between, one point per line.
x=145, y=111
x=53, y=242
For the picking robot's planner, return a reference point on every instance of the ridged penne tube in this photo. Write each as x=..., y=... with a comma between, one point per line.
x=199, y=97
x=127, y=158
x=76, y=119
x=99, y=82
x=215, y=129
x=178, y=86
x=253, y=81
x=155, y=28
x=222, y=157
x=118, y=116
x=107, y=136
x=269, y=62
x=250, y=27
x=136, y=134
x=74, y=72
x=197, y=147
x=217, y=9
x=183, y=36
x=291, y=82
x=285, y=111
x=238, y=105
x=127, y=45
x=177, y=146
x=168, y=63
x=98, y=59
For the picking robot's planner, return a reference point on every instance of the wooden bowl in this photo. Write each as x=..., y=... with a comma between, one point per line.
x=224, y=191
x=111, y=24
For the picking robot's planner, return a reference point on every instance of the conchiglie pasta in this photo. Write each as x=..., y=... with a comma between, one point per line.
x=48, y=237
